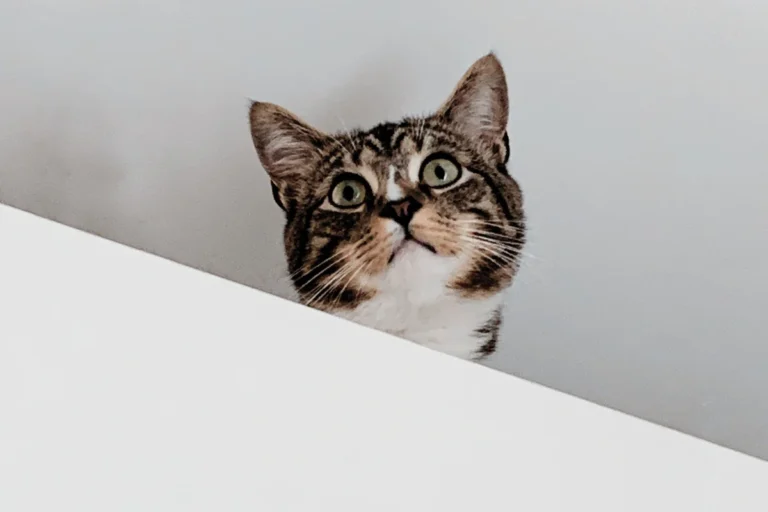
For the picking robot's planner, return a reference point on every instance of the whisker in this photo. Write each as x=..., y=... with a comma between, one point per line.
x=320, y=287
x=517, y=245
x=499, y=236
x=497, y=223
x=350, y=280
x=507, y=241
x=299, y=271
x=512, y=253
x=349, y=135
x=502, y=253
x=326, y=287
x=318, y=273
x=495, y=247
x=504, y=225
x=339, y=275
x=500, y=259
x=446, y=233
x=345, y=251
x=500, y=248
x=328, y=263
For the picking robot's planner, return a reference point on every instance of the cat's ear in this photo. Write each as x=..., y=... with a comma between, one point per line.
x=479, y=105
x=287, y=148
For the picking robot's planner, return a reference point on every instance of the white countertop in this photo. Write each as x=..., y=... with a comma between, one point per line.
x=128, y=382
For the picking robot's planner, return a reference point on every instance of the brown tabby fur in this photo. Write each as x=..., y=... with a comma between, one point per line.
x=335, y=257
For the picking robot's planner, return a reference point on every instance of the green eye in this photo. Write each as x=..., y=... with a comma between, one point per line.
x=348, y=193
x=440, y=172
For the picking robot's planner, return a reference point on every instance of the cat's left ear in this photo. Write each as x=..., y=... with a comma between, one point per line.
x=479, y=105
x=287, y=148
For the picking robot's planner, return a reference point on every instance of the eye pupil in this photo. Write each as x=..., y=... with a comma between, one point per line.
x=439, y=172
x=348, y=192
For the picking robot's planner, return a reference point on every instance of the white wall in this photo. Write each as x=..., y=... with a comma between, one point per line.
x=640, y=133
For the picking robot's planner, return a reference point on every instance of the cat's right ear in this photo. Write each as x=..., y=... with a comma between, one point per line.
x=287, y=148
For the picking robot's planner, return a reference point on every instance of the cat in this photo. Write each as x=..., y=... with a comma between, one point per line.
x=414, y=228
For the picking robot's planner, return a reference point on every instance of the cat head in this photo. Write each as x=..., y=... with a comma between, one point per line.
x=423, y=207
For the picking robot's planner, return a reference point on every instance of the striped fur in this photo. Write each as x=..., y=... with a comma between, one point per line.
x=426, y=263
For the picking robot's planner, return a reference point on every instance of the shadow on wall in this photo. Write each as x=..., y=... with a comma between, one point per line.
x=179, y=179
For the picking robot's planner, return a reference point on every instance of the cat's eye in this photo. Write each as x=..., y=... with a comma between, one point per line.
x=440, y=172
x=348, y=193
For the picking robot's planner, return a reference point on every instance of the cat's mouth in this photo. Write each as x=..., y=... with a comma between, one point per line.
x=408, y=243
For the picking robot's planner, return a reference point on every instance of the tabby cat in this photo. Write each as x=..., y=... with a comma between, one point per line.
x=415, y=227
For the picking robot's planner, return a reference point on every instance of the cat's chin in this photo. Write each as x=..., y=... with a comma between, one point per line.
x=408, y=246
x=417, y=275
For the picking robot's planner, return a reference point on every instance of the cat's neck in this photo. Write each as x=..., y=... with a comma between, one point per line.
x=448, y=322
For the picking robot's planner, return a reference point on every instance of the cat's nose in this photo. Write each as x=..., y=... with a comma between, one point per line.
x=401, y=211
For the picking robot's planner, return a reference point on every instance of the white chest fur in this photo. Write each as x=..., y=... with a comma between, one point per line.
x=413, y=302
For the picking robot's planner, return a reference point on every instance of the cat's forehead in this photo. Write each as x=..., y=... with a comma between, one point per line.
x=387, y=145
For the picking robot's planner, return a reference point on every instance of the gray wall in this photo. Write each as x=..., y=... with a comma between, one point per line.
x=640, y=135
